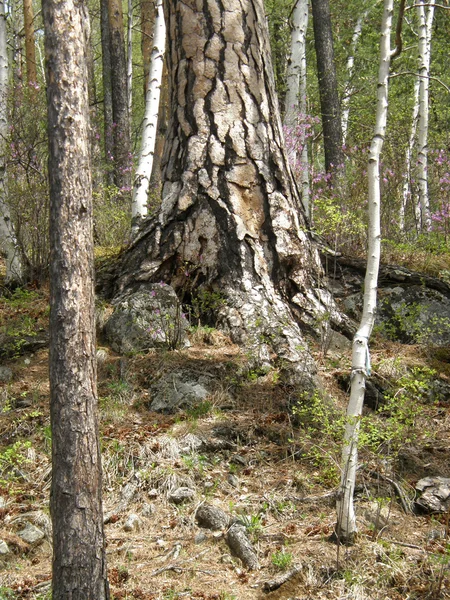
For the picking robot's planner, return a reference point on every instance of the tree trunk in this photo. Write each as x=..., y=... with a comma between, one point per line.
x=130, y=55
x=121, y=117
x=8, y=241
x=107, y=92
x=149, y=129
x=328, y=89
x=231, y=220
x=407, y=192
x=147, y=27
x=79, y=560
x=295, y=117
x=30, y=49
x=346, y=518
x=425, y=28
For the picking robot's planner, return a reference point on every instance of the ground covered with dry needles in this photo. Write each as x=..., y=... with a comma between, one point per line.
x=264, y=453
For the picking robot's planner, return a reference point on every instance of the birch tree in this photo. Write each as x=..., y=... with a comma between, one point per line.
x=8, y=240
x=346, y=517
x=79, y=558
x=406, y=191
x=150, y=125
x=296, y=107
x=130, y=55
x=425, y=29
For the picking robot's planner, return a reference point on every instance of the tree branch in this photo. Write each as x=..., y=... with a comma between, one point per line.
x=447, y=89
x=398, y=31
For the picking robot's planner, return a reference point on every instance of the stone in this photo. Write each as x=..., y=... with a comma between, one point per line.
x=211, y=517
x=182, y=494
x=4, y=548
x=179, y=389
x=133, y=523
x=31, y=534
x=149, y=318
x=435, y=494
x=148, y=510
x=5, y=374
x=200, y=538
x=377, y=515
x=233, y=480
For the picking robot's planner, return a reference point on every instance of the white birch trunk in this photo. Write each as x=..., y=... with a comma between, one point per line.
x=346, y=518
x=296, y=92
x=407, y=194
x=130, y=55
x=425, y=27
x=8, y=241
x=144, y=168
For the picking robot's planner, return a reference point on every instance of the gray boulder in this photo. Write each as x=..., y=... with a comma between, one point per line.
x=149, y=318
x=435, y=494
x=179, y=389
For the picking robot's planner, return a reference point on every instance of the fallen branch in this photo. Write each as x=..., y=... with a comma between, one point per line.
x=274, y=584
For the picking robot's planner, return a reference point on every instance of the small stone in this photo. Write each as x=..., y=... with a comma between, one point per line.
x=152, y=494
x=5, y=374
x=31, y=534
x=133, y=523
x=182, y=494
x=200, y=538
x=237, y=459
x=226, y=559
x=148, y=510
x=211, y=517
x=3, y=548
x=233, y=480
x=377, y=516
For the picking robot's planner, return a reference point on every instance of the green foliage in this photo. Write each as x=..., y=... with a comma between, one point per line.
x=281, y=559
x=12, y=458
x=199, y=410
x=111, y=217
x=253, y=523
x=204, y=306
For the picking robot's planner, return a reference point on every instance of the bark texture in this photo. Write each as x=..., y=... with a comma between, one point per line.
x=147, y=27
x=328, y=88
x=107, y=89
x=231, y=218
x=30, y=50
x=79, y=563
x=119, y=88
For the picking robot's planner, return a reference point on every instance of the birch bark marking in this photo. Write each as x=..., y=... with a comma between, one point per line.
x=406, y=194
x=346, y=518
x=425, y=27
x=79, y=558
x=149, y=129
x=8, y=240
x=296, y=93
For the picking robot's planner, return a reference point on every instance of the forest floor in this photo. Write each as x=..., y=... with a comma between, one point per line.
x=257, y=449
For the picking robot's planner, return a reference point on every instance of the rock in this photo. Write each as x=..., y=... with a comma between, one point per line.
x=435, y=494
x=153, y=493
x=233, y=480
x=180, y=495
x=179, y=389
x=200, y=538
x=338, y=343
x=148, y=510
x=149, y=318
x=241, y=546
x=5, y=374
x=211, y=517
x=133, y=523
x=4, y=548
x=377, y=515
x=31, y=534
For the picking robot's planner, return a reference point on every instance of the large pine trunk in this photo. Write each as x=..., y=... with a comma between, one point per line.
x=231, y=220
x=79, y=563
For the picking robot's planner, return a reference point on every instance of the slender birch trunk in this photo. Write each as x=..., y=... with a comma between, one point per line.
x=8, y=241
x=130, y=55
x=407, y=194
x=346, y=518
x=144, y=168
x=296, y=93
x=425, y=27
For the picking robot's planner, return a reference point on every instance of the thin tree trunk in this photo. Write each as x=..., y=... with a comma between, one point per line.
x=425, y=28
x=107, y=92
x=163, y=123
x=328, y=89
x=79, y=559
x=8, y=241
x=407, y=192
x=130, y=54
x=121, y=126
x=346, y=518
x=296, y=95
x=30, y=49
x=144, y=168
x=147, y=27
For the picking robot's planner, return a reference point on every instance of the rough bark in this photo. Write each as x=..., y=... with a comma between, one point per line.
x=231, y=219
x=328, y=87
x=346, y=518
x=8, y=240
x=296, y=95
x=147, y=27
x=149, y=128
x=79, y=563
x=121, y=117
x=30, y=49
x=107, y=90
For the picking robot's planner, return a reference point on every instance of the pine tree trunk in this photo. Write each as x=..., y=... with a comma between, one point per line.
x=121, y=118
x=79, y=562
x=231, y=219
x=8, y=241
x=30, y=49
x=149, y=128
x=346, y=518
x=328, y=89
